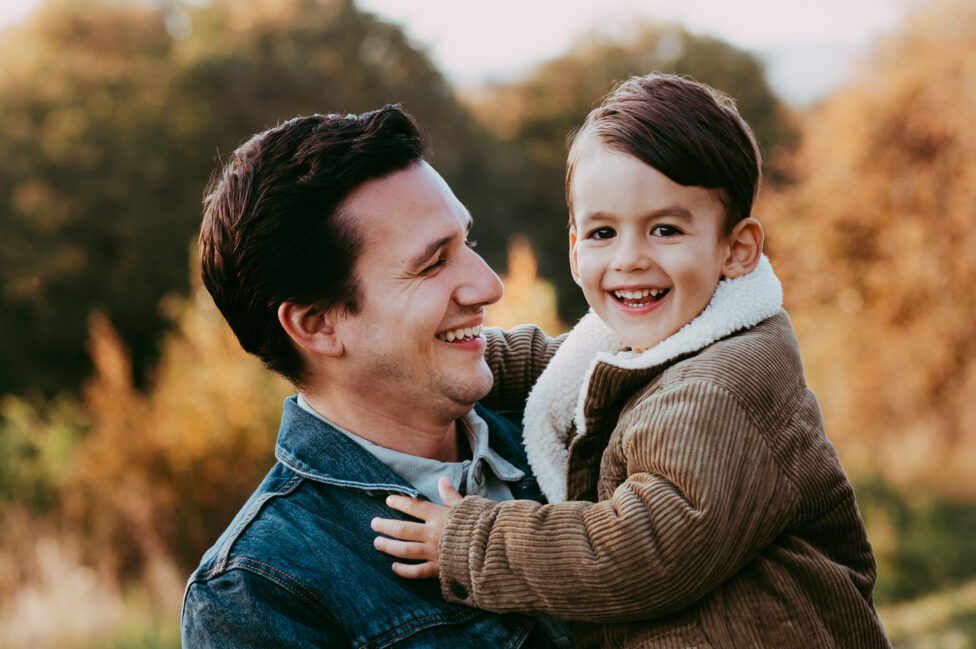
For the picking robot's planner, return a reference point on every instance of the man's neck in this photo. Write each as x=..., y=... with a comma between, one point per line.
x=414, y=433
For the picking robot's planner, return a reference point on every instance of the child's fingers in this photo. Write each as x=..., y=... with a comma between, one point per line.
x=405, y=530
x=448, y=493
x=422, y=509
x=417, y=570
x=404, y=549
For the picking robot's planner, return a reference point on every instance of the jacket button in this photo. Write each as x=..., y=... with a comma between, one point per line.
x=459, y=590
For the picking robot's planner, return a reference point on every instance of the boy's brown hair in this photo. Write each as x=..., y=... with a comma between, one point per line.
x=273, y=227
x=690, y=132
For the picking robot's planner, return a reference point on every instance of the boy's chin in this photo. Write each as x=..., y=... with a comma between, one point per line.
x=641, y=343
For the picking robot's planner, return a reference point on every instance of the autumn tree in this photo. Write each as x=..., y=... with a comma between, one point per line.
x=876, y=244
x=160, y=472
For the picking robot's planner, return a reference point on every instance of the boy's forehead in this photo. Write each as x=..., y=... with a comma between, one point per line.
x=609, y=184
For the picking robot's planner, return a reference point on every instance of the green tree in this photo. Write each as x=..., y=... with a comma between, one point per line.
x=113, y=116
x=87, y=190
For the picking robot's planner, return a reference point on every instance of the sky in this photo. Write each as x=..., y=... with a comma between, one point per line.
x=809, y=47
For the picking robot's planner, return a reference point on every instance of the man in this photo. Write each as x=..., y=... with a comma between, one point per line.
x=341, y=259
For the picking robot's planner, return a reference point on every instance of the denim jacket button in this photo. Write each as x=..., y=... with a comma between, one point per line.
x=459, y=590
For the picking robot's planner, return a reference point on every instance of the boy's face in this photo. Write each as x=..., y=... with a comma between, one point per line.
x=647, y=251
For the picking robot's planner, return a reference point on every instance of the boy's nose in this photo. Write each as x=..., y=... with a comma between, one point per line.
x=631, y=255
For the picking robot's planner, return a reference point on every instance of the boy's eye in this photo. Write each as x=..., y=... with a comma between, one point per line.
x=602, y=233
x=665, y=231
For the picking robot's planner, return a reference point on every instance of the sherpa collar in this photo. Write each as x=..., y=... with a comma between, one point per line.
x=559, y=394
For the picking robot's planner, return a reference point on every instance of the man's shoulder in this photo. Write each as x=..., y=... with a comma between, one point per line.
x=296, y=543
x=299, y=557
x=246, y=533
x=291, y=525
x=259, y=608
x=249, y=578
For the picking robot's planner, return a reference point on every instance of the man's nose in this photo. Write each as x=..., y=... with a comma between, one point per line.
x=479, y=286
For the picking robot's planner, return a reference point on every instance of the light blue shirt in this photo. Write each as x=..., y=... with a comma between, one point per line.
x=485, y=474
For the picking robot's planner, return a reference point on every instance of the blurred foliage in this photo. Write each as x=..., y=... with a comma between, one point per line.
x=943, y=620
x=527, y=299
x=114, y=114
x=538, y=114
x=922, y=542
x=36, y=449
x=161, y=473
x=876, y=246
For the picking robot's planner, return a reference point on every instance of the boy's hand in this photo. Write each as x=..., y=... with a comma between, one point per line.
x=416, y=540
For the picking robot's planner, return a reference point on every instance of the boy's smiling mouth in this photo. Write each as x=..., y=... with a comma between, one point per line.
x=638, y=297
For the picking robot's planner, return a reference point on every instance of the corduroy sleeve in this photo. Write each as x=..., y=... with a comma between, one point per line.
x=702, y=497
x=516, y=357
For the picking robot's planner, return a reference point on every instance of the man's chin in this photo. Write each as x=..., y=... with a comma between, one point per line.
x=469, y=390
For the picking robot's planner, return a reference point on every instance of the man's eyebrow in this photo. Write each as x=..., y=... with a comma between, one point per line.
x=418, y=260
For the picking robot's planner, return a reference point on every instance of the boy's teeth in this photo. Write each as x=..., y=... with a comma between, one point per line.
x=636, y=295
x=641, y=294
x=460, y=334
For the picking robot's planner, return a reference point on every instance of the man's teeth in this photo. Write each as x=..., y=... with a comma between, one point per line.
x=637, y=295
x=460, y=334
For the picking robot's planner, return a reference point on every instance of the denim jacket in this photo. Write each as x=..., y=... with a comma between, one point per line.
x=297, y=567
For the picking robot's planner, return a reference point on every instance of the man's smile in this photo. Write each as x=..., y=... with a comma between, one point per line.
x=462, y=334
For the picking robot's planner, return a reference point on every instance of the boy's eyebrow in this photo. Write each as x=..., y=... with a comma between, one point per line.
x=674, y=211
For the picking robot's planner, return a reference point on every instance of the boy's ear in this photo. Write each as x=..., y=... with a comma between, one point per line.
x=573, y=264
x=745, y=248
x=310, y=328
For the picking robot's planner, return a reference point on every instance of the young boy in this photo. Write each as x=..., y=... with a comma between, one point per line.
x=695, y=500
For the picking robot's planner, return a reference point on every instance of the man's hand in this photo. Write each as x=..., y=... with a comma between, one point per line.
x=416, y=540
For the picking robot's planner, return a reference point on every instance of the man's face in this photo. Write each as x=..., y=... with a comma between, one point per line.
x=416, y=340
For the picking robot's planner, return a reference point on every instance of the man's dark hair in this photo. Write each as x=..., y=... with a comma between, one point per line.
x=690, y=132
x=273, y=226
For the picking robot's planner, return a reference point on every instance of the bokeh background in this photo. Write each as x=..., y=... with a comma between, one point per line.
x=132, y=426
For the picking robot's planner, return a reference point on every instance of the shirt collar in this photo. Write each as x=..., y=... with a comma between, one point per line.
x=476, y=430
x=422, y=473
x=311, y=447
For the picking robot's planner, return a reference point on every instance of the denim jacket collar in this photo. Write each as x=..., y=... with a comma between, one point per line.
x=314, y=449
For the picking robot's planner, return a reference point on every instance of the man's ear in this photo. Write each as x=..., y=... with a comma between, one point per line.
x=312, y=329
x=745, y=248
x=573, y=263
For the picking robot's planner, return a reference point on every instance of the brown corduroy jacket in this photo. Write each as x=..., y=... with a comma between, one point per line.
x=695, y=498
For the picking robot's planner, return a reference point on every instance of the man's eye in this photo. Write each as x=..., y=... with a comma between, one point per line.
x=471, y=243
x=602, y=233
x=665, y=231
x=434, y=266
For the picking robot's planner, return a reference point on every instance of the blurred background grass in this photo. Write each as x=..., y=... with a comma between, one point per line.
x=132, y=426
